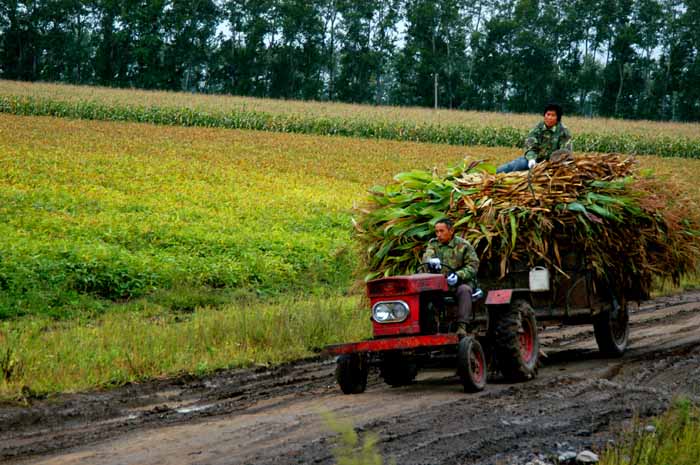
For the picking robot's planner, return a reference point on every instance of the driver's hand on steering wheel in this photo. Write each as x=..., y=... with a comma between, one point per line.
x=434, y=264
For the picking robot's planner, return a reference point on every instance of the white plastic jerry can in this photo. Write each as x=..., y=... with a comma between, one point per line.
x=539, y=279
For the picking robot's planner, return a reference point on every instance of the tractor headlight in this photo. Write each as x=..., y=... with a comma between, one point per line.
x=390, y=312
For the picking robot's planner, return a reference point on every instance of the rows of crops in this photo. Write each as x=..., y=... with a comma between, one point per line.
x=445, y=127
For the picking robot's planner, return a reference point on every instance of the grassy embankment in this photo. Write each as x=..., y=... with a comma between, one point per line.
x=408, y=124
x=134, y=251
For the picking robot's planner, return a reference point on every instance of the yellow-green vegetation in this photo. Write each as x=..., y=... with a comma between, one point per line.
x=351, y=448
x=133, y=251
x=94, y=212
x=414, y=124
x=40, y=356
x=674, y=439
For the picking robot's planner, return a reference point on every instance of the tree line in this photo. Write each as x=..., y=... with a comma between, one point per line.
x=618, y=58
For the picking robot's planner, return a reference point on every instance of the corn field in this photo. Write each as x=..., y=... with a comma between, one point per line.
x=419, y=125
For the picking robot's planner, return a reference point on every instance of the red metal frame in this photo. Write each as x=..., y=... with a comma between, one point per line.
x=394, y=343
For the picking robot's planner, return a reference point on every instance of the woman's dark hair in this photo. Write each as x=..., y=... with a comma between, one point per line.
x=555, y=107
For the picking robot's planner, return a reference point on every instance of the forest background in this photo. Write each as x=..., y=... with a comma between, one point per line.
x=617, y=58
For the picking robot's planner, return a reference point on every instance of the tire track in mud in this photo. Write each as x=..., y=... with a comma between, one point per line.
x=271, y=415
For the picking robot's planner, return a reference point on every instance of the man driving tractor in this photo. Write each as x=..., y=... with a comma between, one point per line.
x=457, y=259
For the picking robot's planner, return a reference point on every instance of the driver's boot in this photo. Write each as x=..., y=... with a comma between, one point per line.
x=462, y=330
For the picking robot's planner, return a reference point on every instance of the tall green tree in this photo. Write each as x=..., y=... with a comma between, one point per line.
x=20, y=46
x=687, y=105
x=492, y=49
x=296, y=62
x=189, y=28
x=431, y=68
x=65, y=30
x=533, y=56
x=366, y=39
x=111, y=44
x=241, y=63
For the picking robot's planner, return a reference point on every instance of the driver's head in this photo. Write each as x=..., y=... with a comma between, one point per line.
x=444, y=230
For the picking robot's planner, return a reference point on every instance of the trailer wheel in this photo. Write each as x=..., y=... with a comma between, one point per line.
x=397, y=370
x=351, y=373
x=612, y=329
x=471, y=365
x=517, y=342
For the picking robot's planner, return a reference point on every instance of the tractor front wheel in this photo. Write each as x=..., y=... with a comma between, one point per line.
x=517, y=341
x=471, y=365
x=351, y=373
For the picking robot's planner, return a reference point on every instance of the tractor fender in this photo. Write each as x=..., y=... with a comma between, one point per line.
x=497, y=297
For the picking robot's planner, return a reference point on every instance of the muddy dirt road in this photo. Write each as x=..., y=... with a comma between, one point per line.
x=268, y=416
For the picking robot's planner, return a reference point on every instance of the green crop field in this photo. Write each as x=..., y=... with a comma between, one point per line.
x=115, y=211
x=133, y=251
x=411, y=124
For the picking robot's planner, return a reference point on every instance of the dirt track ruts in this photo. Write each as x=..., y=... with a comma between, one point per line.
x=272, y=415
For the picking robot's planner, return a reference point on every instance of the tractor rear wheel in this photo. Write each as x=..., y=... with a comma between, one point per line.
x=471, y=365
x=517, y=341
x=351, y=373
x=397, y=370
x=612, y=329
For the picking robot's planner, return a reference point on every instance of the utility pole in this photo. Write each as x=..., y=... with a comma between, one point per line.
x=435, y=91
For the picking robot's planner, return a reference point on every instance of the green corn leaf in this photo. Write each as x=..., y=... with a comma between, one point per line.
x=513, y=229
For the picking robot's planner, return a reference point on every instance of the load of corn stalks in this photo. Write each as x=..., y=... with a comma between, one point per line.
x=629, y=225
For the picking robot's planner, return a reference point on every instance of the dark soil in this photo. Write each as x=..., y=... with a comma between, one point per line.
x=274, y=415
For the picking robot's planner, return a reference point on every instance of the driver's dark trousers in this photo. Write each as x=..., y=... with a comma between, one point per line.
x=463, y=294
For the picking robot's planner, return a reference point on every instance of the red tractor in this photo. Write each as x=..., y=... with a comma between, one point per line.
x=413, y=326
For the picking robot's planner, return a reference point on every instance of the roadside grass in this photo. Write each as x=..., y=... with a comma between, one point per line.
x=674, y=439
x=408, y=124
x=40, y=356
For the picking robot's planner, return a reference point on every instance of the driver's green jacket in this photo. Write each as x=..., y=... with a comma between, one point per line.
x=457, y=254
